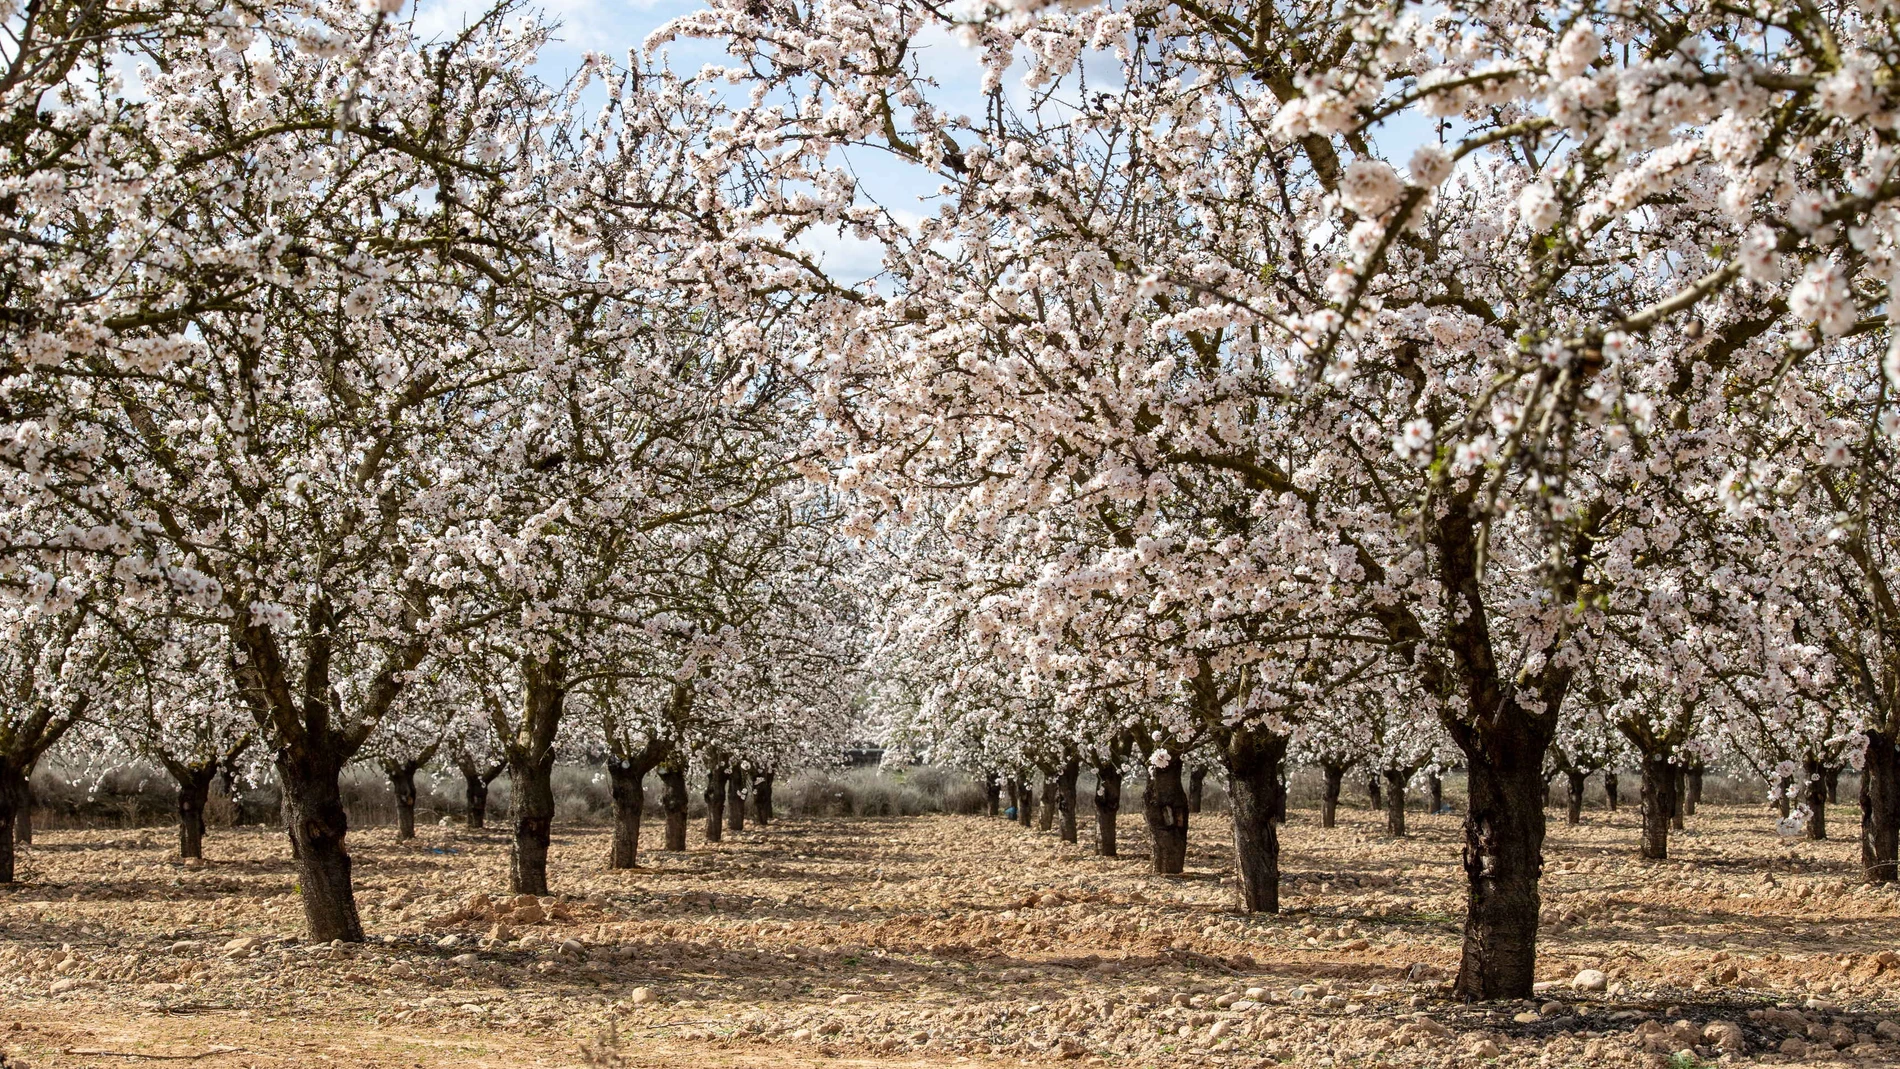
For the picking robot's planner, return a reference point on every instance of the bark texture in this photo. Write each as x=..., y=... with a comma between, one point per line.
x=1659, y=804
x=673, y=800
x=1253, y=760
x=1880, y=808
x=1164, y=804
x=1065, y=799
x=1395, y=779
x=1329, y=795
x=1108, y=804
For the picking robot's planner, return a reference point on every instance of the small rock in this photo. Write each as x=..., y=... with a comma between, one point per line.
x=1726, y=1036
x=847, y=1000
x=464, y=960
x=446, y=942
x=1528, y=1017
x=1590, y=980
x=60, y=987
x=641, y=995
x=1887, y=1030
x=245, y=943
x=1794, y=1046
x=1218, y=1030
x=1551, y=1009
x=194, y=863
x=1485, y=1048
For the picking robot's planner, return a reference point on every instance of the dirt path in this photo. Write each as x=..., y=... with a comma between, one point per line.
x=941, y=941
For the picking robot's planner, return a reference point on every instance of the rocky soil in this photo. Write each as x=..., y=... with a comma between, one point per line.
x=945, y=940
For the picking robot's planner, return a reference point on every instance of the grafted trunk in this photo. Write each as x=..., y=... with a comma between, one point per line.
x=626, y=780
x=673, y=800
x=1880, y=808
x=992, y=797
x=1065, y=799
x=1574, y=813
x=402, y=781
x=533, y=783
x=1609, y=790
x=735, y=800
x=1196, y=787
x=1046, y=818
x=1164, y=804
x=313, y=810
x=1329, y=797
x=194, y=789
x=1659, y=804
x=1817, y=800
x=762, y=798
x=1108, y=804
x=13, y=797
x=1395, y=800
x=1373, y=800
x=1691, y=790
x=1253, y=765
x=1436, y=785
x=1503, y=861
x=715, y=797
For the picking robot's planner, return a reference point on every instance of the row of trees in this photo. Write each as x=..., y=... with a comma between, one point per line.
x=1473, y=364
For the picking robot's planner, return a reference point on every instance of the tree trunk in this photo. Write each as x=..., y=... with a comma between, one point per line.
x=992, y=797
x=1503, y=861
x=1834, y=785
x=313, y=809
x=1196, y=785
x=1692, y=790
x=1659, y=804
x=1609, y=790
x=475, y=796
x=1065, y=799
x=735, y=800
x=1046, y=817
x=402, y=780
x=13, y=797
x=715, y=797
x=673, y=800
x=1395, y=801
x=1676, y=787
x=1817, y=799
x=629, y=792
x=1253, y=765
x=1329, y=798
x=23, y=819
x=1880, y=808
x=533, y=783
x=1436, y=786
x=762, y=798
x=1279, y=794
x=1108, y=804
x=1164, y=804
x=290, y=824
x=194, y=788
x=1373, y=801
x=1573, y=814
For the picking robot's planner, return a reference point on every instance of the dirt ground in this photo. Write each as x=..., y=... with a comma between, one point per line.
x=944, y=941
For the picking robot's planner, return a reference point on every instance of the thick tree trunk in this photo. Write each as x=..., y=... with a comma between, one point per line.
x=715, y=797
x=735, y=800
x=533, y=784
x=1329, y=798
x=1676, y=787
x=1609, y=790
x=1253, y=765
x=762, y=798
x=290, y=824
x=1196, y=787
x=1817, y=800
x=992, y=797
x=475, y=796
x=1108, y=804
x=1065, y=799
x=402, y=781
x=1046, y=817
x=1279, y=794
x=1436, y=786
x=673, y=800
x=13, y=797
x=194, y=789
x=1573, y=814
x=1659, y=804
x=1164, y=804
x=313, y=809
x=1373, y=801
x=1880, y=808
x=1834, y=785
x=1503, y=861
x=1692, y=790
x=629, y=793
x=23, y=820
x=1395, y=801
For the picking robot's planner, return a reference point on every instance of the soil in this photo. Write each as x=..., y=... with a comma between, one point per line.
x=944, y=941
